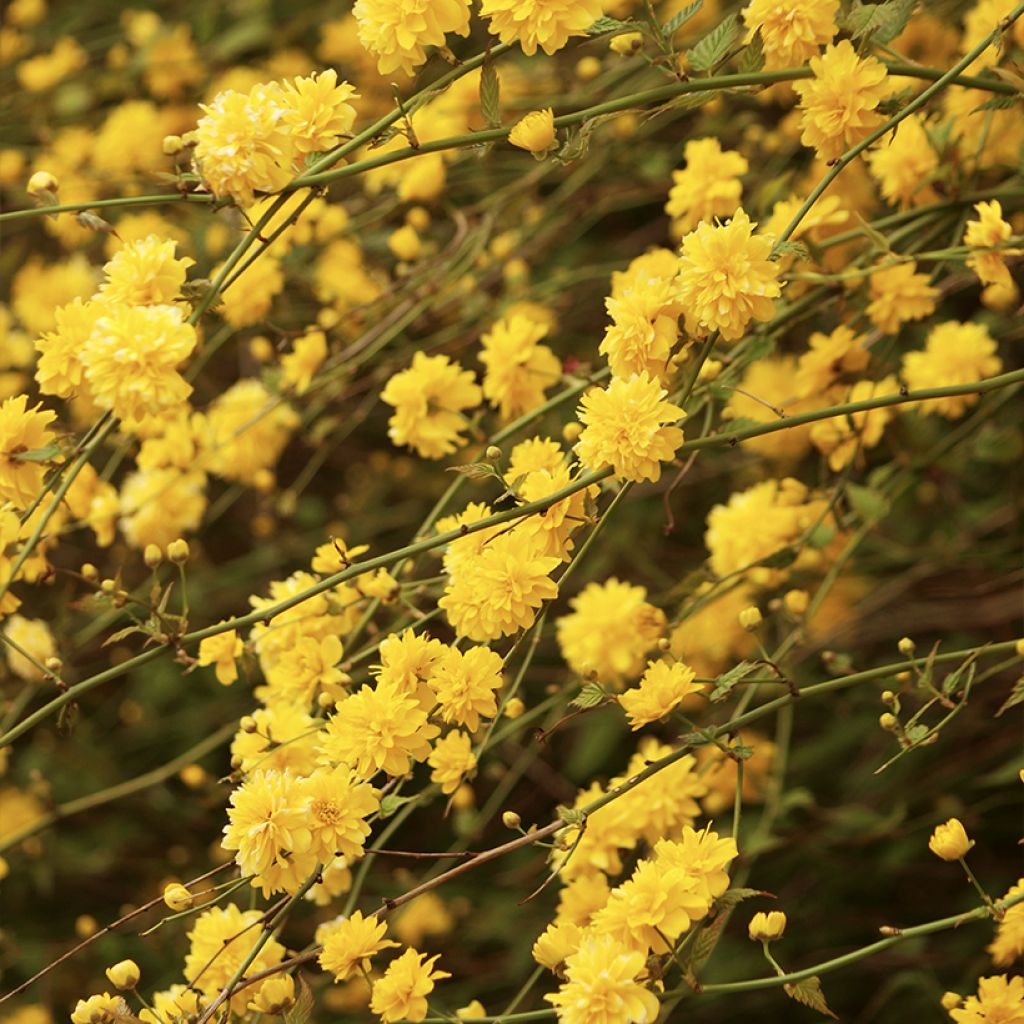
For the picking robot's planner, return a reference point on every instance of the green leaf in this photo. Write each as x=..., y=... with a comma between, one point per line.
x=808, y=992
x=571, y=816
x=725, y=682
x=752, y=58
x=578, y=142
x=963, y=672
x=603, y=26
x=490, y=95
x=476, y=470
x=36, y=454
x=590, y=696
x=715, y=46
x=392, y=802
x=870, y=505
x=733, y=897
x=884, y=22
x=791, y=248
x=303, y=1008
x=680, y=18
x=1016, y=697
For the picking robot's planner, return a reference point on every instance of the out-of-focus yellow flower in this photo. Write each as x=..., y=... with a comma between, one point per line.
x=535, y=131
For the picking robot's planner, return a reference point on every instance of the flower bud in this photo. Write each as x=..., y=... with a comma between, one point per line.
x=1019, y=648
x=588, y=68
x=89, y=571
x=177, y=551
x=54, y=665
x=248, y=724
x=275, y=996
x=418, y=217
x=767, y=927
x=950, y=841
x=627, y=43
x=177, y=897
x=152, y=556
x=86, y=925
x=750, y=618
x=172, y=145
x=43, y=186
x=514, y=707
x=535, y=132
x=108, y=586
x=405, y=243
x=124, y=974
x=710, y=370
x=907, y=646
x=951, y=1000
x=571, y=432
x=193, y=775
x=796, y=601
x=888, y=721
x=511, y=820
x=493, y=452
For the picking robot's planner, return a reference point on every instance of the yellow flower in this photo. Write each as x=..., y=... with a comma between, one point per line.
x=104, y=1009
x=519, y=369
x=352, y=942
x=177, y=897
x=284, y=739
x=791, y=30
x=158, y=506
x=306, y=357
x=23, y=431
x=544, y=23
x=41, y=185
x=987, y=233
x=124, y=974
x=44, y=71
x=726, y=278
x=145, y=273
x=405, y=243
x=1000, y=1000
x=317, y=111
x=338, y=805
x=465, y=685
x=898, y=294
x=661, y=689
x=406, y=663
x=451, y=760
x=767, y=927
x=601, y=985
x=535, y=131
x=428, y=399
x=949, y=841
x=904, y=165
x=557, y=942
x=828, y=357
x=401, y=994
x=645, y=325
x=841, y=437
x=954, y=353
x=838, y=105
x=396, y=31
x=59, y=368
x=221, y=651
x=1008, y=945
x=630, y=427
x=275, y=996
x=708, y=187
x=32, y=636
x=131, y=360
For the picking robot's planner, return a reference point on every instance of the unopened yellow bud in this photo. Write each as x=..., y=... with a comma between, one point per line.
x=750, y=618
x=514, y=707
x=511, y=820
x=588, y=68
x=248, y=724
x=108, y=586
x=152, y=556
x=888, y=697
x=418, y=217
x=405, y=243
x=493, y=452
x=178, y=551
x=535, y=132
x=194, y=776
x=767, y=927
x=463, y=798
x=86, y=925
x=796, y=601
x=89, y=571
x=124, y=975
x=54, y=665
x=664, y=644
x=43, y=186
x=172, y=145
x=888, y=721
x=627, y=43
x=571, y=432
x=950, y=841
x=907, y=646
x=710, y=370
x=177, y=897
x=951, y=1000
x=1019, y=648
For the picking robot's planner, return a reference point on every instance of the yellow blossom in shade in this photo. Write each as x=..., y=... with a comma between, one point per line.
x=220, y=942
x=699, y=853
x=645, y=326
x=1008, y=945
x=465, y=685
x=581, y=898
x=306, y=357
x=828, y=357
x=396, y=31
x=709, y=636
x=726, y=278
x=954, y=353
x=275, y=996
x=535, y=453
x=44, y=71
x=904, y=164
x=145, y=273
x=100, y=1009
x=601, y=985
x=841, y=437
x=250, y=297
x=610, y=629
x=96, y=503
x=285, y=739
x=1000, y=1000
x=629, y=426
x=451, y=760
x=132, y=356
x=426, y=916
x=987, y=233
x=269, y=828
x=766, y=927
x=159, y=506
x=662, y=687
x=556, y=943
x=59, y=367
x=535, y=132
x=352, y=943
x=471, y=1010
x=497, y=592
x=707, y=187
x=243, y=145
x=429, y=399
x=317, y=111
x=791, y=30
x=376, y=730
x=899, y=294
x=544, y=23
x=401, y=993
x=826, y=213
x=338, y=804
x=553, y=530
x=949, y=841
x=839, y=103
x=31, y=644
x=173, y=1004
x=981, y=20
x=23, y=431
x=221, y=651
x=335, y=880
x=519, y=368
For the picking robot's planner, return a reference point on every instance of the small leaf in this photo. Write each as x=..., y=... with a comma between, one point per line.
x=475, y=470
x=997, y=103
x=870, y=505
x=916, y=733
x=965, y=671
x=1016, y=697
x=725, y=682
x=590, y=696
x=490, y=95
x=808, y=992
x=715, y=46
x=884, y=22
x=392, y=802
x=571, y=816
x=732, y=897
x=752, y=58
x=791, y=248
x=605, y=25
x=35, y=454
x=680, y=18
x=303, y=1008
x=578, y=142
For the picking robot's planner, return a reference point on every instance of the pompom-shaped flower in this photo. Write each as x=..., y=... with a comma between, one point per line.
x=663, y=687
x=955, y=353
x=100, y=1009
x=899, y=294
x=22, y=431
x=1000, y=1000
x=131, y=360
x=535, y=131
x=644, y=328
x=145, y=273
x=338, y=804
x=59, y=368
x=726, y=278
x=160, y=505
x=317, y=111
x=519, y=368
x=601, y=985
x=630, y=427
x=451, y=760
x=544, y=23
x=376, y=730
x=791, y=30
x=428, y=399
x=396, y=31
x=243, y=145
x=401, y=994
x=989, y=232
x=903, y=166
x=839, y=104
x=708, y=186
x=465, y=685
x=352, y=942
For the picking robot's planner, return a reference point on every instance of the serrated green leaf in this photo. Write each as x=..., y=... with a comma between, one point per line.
x=884, y=22
x=872, y=506
x=571, y=816
x=962, y=673
x=605, y=25
x=997, y=103
x=916, y=733
x=475, y=470
x=715, y=46
x=733, y=897
x=790, y=247
x=725, y=682
x=680, y=18
x=490, y=95
x=808, y=993
x=303, y=1008
x=35, y=454
x=1016, y=697
x=577, y=144
x=752, y=58
x=590, y=696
